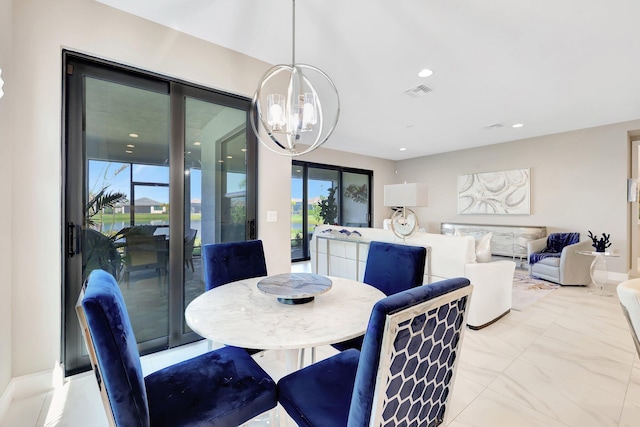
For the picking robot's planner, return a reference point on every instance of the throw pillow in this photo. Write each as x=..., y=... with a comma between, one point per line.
x=483, y=245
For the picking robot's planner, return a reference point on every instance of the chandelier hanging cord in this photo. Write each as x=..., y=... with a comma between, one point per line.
x=294, y=113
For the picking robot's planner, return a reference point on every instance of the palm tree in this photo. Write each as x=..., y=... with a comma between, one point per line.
x=101, y=201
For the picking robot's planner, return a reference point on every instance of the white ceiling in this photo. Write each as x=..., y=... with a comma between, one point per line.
x=552, y=65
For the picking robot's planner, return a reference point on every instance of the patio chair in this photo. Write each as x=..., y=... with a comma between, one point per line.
x=404, y=374
x=225, y=387
x=189, y=241
x=145, y=253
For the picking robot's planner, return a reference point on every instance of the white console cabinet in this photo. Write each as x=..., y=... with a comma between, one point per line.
x=335, y=256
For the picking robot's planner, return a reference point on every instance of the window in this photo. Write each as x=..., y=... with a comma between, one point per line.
x=325, y=194
x=154, y=168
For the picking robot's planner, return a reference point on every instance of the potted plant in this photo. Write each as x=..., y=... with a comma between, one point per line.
x=328, y=209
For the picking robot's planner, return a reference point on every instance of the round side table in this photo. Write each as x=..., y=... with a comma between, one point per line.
x=599, y=271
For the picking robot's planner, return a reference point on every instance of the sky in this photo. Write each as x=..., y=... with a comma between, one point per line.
x=117, y=176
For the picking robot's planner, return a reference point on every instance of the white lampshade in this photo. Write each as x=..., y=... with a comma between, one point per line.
x=413, y=194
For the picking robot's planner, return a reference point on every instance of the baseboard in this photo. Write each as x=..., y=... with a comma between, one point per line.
x=6, y=398
x=29, y=385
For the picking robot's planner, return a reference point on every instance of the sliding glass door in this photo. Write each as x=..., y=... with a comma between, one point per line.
x=154, y=169
x=326, y=194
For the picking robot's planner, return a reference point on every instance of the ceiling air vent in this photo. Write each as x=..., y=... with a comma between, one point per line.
x=418, y=90
x=493, y=126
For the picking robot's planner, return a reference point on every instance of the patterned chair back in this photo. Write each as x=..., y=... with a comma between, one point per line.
x=409, y=356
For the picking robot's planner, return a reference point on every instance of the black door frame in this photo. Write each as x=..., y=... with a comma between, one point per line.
x=75, y=66
x=305, y=205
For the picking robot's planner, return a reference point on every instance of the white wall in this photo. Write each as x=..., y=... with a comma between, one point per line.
x=6, y=144
x=41, y=30
x=578, y=183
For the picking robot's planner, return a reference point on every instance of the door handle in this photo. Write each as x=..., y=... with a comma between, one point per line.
x=73, y=239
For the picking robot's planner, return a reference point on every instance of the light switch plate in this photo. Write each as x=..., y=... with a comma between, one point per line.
x=272, y=216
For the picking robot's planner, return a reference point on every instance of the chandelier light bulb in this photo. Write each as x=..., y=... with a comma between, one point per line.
x=275, y=115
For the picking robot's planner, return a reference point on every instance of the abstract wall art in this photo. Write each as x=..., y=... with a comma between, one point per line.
x=506, y=192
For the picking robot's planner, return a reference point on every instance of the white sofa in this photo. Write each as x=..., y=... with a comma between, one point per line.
x=344, y=254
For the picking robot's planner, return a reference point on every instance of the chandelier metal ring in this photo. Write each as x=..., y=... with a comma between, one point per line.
x=285, y=141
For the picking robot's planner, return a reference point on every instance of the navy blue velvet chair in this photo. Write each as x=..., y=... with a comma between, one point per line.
x=403, y=375
x=392, y=268
x=225, y=387
x=227, y=262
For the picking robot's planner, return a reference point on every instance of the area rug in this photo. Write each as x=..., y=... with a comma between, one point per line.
x=527, y=290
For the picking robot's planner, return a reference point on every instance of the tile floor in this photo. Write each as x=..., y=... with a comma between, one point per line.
x=567, y=360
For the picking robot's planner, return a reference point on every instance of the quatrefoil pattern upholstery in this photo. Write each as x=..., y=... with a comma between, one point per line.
x=403, y=375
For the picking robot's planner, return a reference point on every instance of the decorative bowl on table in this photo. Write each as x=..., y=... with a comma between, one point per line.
x=295, y=288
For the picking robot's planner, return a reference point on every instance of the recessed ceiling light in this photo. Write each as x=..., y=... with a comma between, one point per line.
x=244, y=150
x=229, y=157
x=517, y=125
x=403, y=149
x=128, y=151
x=197, y=143
x=220, y=161
x=134, y=135
x=425, y=73
x=130, y=145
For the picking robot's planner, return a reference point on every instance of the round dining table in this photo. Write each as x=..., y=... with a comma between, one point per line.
x=240, y=314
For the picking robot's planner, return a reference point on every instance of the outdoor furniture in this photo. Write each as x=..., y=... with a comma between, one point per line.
x=392, y=268
x=144, y=253
x=225, y=387
x=404, y=374
x=189, y=241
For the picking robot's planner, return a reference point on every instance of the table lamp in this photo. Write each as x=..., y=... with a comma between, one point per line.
x=404, y=222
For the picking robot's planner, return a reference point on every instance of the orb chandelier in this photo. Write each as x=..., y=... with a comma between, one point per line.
x=295, y=105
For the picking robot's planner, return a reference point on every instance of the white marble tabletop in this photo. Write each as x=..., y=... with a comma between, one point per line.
x=239, y=314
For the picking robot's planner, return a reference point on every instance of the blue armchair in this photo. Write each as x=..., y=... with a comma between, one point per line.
x=225, y=387
x=404, y=374
x=392, y=268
